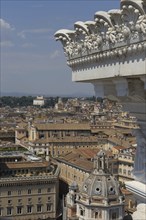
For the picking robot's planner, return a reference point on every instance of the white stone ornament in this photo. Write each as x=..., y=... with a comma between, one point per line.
x=106, y=31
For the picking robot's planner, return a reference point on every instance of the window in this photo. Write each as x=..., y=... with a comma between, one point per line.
x=49, y=190
x=49, y=207
x=9, y=201
x=19, y=192
x=9, y=193
x=39, y=190
x=39, y=208
x=29, y=209
x=9, y=210
x=39, y=199
x=29, y=199
x=29, y=191
x=49, y=198
x=81, y=212
x=19, y=200
x=124, y=172
x=96, y=215
x=19, y=210
x=114, y=216
x=120, y=170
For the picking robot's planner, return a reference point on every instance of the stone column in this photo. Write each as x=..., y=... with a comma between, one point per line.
x=131, y=92
x=135, y=103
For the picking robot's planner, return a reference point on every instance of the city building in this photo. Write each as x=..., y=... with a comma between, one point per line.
x=28, y=187
x=39, y=101
x=78, y=164
x=57, y=138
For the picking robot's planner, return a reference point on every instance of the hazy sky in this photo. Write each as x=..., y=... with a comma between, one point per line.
x=31, y=60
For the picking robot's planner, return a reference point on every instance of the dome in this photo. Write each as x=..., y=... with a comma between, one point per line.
x=101, y=187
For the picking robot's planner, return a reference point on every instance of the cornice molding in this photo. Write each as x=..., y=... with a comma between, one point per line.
x=113, y=54
x=112, y=33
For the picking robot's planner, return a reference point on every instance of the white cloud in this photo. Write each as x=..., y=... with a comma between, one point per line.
x=23, y=33
x=6, y=44
x=5, y=25
x=55, y=54
x=6, y=31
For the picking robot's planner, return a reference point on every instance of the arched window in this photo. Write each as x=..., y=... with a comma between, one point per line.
x=96, y=215
x=82, y=211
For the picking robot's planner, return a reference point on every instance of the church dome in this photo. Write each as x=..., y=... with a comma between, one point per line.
x=101, y=186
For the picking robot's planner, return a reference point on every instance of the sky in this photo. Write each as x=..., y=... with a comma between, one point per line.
x=31, y=61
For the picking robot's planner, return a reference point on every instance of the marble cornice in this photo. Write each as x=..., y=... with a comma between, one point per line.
x=114, y=53
x=113, y=33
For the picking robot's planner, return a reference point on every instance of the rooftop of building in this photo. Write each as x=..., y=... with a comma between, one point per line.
x=16, y=166
x=27, y=164
x=78, y=139
x=82, y=158
x=62, y=126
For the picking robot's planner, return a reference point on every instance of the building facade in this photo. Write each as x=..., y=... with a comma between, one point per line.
x=78, y=165
x=39, y=101
x=28, y=187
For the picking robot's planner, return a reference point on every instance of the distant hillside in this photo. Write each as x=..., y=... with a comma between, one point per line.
x=16, y=94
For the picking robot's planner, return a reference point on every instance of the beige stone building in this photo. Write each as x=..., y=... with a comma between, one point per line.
x=126, y=166
x=58, y=146
x=125, y=158
x=28, y=187
x=57, y=138
x=49, y=139
x=77, y=165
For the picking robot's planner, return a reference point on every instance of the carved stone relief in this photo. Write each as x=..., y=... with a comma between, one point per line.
x=106, y=32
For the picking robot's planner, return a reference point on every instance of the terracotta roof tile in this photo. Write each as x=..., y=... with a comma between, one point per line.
x=22, y=165
x=63, y=126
